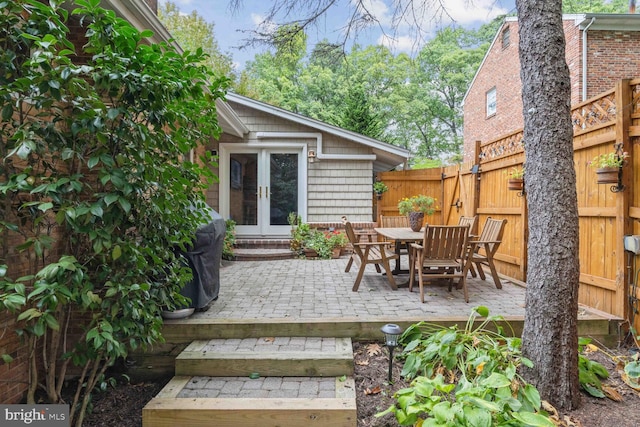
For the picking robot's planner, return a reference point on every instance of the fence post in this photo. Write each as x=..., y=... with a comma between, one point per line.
x=623, y=199
x=476, y=181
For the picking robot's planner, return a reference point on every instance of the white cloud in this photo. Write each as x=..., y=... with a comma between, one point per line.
x=406, y=44
x=261, y=25
x=466, y=12
x=427, y=16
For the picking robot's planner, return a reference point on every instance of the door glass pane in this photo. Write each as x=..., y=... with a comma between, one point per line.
x=243, y=185
x=284, y=187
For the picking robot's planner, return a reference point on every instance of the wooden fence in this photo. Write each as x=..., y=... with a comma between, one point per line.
x=608, y=274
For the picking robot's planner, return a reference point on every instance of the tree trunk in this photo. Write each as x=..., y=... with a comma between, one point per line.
x=550, y=337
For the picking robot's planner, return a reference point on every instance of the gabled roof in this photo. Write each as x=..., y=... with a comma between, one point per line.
x=387, y=156
x=594, y=21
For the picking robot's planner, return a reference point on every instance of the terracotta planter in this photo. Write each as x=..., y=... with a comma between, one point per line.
x=515, y=184
x=335, y=253
x=607, y=175
x=310, y=253
x=416, y=220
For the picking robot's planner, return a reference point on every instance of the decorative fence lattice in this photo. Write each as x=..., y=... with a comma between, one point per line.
x=596, y=112
x=511, y=144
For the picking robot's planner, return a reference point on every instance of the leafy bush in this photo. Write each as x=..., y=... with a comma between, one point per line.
x=467, y=377
x=94, y=187
x=229, y=240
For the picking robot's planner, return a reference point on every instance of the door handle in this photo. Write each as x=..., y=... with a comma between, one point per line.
x=260, y=192
x=266, y=192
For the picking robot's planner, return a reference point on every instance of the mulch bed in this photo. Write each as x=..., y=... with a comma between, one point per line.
x=122, y=406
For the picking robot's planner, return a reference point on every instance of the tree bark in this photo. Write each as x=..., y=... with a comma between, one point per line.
x=550, y=337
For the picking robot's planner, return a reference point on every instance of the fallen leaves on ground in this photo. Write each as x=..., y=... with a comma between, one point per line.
x=374, y=349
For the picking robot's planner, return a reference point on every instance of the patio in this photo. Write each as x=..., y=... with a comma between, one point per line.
x=300, y=289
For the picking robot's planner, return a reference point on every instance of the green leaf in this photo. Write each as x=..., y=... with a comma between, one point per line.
x=632, y=369
x=45, y=206
x=533, y=420
x=116, y=252
x=482, y=310
x=7, y=112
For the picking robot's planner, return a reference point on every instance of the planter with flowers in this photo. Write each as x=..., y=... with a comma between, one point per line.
x=380, y=187
x=324, y=245
x=608, y=166
x=416, y=208
x=515, y=180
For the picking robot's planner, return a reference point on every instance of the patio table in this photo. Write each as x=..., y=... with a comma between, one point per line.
x=402, y=236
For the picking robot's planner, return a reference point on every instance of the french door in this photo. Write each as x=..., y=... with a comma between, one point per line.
x=262, y=186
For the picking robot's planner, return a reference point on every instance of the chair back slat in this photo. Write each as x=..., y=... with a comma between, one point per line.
x=353, y=239
x=470, y=221
x=401, y=221
x=445, y=241
x=492, y=231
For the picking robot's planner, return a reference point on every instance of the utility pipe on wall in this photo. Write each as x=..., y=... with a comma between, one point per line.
x=584, y=59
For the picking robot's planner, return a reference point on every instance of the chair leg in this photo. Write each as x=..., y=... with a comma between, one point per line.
x=412, y=272
x=494, y=273
x=481, y=271
x=463, y=282
x=392, y=281
x=349, y=264
x=472, y=270
x=421, y=283
x=356, y=285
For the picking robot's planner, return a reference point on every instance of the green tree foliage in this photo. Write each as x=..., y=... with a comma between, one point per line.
x=417, y=103
x=595, y=6
x=358, y=115
x=94, y=188
x=192, y=32
x=273, y=77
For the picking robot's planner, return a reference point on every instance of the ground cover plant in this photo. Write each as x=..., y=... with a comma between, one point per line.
x=95, y=188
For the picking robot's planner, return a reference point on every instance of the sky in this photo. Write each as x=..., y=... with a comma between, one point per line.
x=231, y=27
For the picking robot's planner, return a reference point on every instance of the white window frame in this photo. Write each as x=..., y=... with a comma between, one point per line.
x=491, y=98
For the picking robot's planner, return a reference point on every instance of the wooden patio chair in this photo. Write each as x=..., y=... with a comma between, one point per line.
x=485, y=248
x=365, y=253
x=470, y=221
x=400, y=221
x=442, y=255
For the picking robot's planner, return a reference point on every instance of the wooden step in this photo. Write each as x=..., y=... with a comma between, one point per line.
x=265, y=402
x=273, y=356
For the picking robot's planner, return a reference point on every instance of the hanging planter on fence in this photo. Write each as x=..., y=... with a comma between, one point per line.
x=607, y=175
x=515, y=184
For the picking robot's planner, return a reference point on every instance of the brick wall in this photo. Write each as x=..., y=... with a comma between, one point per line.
x=612, y=55
x=501, y=69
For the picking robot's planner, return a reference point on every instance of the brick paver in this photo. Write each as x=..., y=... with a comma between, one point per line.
x=320, y=289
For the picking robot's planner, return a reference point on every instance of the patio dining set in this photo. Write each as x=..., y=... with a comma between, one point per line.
x=435, y=253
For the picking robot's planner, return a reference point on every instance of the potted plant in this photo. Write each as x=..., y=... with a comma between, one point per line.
x=608, y=166
x=416, y=208
x=515, y=180
x=379, y=187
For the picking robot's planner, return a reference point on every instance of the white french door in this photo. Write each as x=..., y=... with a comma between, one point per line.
x=260, y=186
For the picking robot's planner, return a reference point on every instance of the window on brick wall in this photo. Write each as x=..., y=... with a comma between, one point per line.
x=506, y=36
x=491, y=102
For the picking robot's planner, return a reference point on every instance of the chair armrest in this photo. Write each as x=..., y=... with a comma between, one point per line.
x=372, y=243
x=483, y=242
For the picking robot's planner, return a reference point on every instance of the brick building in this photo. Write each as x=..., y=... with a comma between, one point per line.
x=600, y=50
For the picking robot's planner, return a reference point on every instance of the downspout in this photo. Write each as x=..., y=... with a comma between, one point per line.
x=584, y=59
x=318, y=137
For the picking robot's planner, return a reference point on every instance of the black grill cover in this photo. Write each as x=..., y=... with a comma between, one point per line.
x=204, y=256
